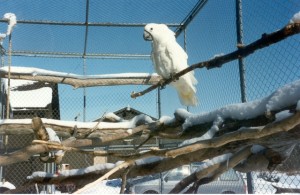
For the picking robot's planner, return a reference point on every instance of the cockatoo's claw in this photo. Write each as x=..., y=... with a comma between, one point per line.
x=172, y=76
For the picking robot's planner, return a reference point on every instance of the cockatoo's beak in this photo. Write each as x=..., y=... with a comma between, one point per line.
x=147, y=36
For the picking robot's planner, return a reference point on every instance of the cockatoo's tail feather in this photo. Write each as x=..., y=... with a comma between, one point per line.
x=186, y=90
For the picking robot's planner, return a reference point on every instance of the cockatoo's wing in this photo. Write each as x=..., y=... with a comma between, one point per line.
x=157, y=67
x=185, y=85
x=177, y=56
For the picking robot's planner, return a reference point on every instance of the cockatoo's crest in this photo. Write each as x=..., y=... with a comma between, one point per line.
x=158, y=32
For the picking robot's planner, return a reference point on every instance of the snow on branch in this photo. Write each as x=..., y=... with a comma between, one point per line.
x=83, y=129
x=258, y=125
x=77, y=81
x=242, y=52
x=237, y=122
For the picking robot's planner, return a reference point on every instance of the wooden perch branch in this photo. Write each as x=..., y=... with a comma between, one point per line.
x=238, y=135
x=102, y=138
x=163, y=164
x=78, y=82
x=242, y=134
x=265, y=41
x=25, y=153
x=66, y=128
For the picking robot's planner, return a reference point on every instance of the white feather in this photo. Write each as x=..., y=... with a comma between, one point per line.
x=169, y=58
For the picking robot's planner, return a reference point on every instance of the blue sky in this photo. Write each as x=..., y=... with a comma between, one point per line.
x=211, y=32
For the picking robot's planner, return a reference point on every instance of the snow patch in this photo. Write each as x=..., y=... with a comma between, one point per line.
x=72, y=172
x=52, y=135
x=218, y=55
x=166, y=120
x=89, y=125
x=282, y=115
x=285, y=96
x=41, y=72
x=208, y=135
x=2, y=37
x=295, y=18
x=37, y=98
x=148, y=160
x=142, y=117
x=112, y=117
x=12, y=21
x=8, y=185
x=129, y=131
x=183, y=113
x=105, y=187
x=237, y=111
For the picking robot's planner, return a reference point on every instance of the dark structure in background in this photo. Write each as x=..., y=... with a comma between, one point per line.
x=17, y=173
x=51, y=111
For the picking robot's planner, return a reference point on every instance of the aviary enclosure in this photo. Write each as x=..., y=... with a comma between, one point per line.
x=78, y=89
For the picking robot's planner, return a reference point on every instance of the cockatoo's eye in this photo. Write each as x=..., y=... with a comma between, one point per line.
x=151, y=28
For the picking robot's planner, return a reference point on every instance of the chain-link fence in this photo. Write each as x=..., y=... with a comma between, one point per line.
x=110, y=42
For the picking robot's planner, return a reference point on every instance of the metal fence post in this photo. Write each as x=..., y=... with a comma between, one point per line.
x=239, y=32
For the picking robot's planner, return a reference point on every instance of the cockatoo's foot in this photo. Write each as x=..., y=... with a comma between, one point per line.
x=173, y=77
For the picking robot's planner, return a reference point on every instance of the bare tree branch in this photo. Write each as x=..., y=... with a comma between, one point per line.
x=265, y=41
x=242, y=134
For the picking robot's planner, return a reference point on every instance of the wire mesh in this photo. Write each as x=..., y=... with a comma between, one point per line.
x=115, y=35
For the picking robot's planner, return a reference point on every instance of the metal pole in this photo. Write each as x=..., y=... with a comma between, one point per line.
x=239, y=32
x=185, y=49
x=84, y=55
x=160, y=140
x=8, y=80
x=2, y=99
x=158, y=103
x=84, y=91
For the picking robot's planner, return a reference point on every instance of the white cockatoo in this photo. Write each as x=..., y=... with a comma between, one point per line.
x=12, y=21
x=169, y=58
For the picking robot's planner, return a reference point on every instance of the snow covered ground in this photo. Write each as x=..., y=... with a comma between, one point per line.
x=105, y=187
x=285, y=181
